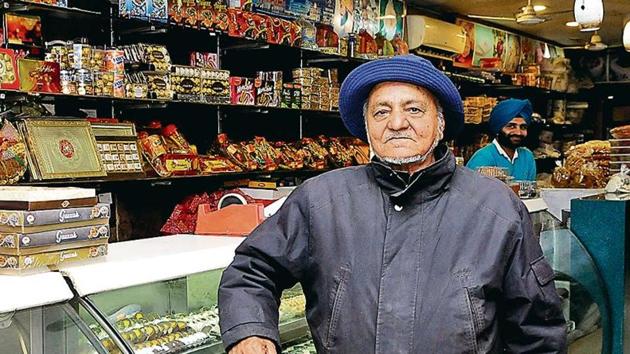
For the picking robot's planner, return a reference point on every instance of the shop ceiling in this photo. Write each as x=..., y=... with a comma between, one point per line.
x=555, y=29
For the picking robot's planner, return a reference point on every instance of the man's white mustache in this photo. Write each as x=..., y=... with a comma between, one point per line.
x=398, y=136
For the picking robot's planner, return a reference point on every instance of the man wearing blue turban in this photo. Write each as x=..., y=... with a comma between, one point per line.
x=509, y=122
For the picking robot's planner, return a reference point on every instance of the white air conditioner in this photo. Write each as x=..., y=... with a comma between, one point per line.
x=430, y=36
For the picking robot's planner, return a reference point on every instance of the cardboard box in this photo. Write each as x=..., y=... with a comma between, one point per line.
x=47, y=220
x=10, y=263
x=23, y=243
x=39, y=76
x=233, y=220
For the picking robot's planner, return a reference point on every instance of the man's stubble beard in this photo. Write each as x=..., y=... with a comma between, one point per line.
x=414, y=159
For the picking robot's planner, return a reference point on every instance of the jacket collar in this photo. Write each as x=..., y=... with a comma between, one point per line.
x=424, y=184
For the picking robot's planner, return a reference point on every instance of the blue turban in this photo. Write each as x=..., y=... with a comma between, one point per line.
x=507, y=110
x=403, y=68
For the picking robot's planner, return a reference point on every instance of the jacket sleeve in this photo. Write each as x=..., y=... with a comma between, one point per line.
x=531, y=318
x=271, y=259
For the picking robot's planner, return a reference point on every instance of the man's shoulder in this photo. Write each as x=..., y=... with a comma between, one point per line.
x=486, y=193
x=340, y=178
x=523, y=151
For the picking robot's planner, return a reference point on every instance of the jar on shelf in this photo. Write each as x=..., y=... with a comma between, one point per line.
x=85, y=82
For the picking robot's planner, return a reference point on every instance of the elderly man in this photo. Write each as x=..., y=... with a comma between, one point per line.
x=409, y=254
x=509, y=122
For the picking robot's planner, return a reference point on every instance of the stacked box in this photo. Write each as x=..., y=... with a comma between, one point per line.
x=186, y=83
x=319, y=88
x=215, y=86
x=269, y=92
x=45, y=233
x=243, y=91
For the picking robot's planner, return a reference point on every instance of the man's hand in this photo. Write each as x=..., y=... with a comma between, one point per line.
x=254, y=345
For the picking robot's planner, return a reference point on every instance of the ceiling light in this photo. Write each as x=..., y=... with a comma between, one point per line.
x=572, y=24
x=539, y=8
x=611, y=97
x=589, y=14
x=626, y=36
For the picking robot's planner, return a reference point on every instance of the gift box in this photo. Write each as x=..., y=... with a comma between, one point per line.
x=39, y=76
x=30, y=243
x=10, y=263
x=52, y=219
x=8, y=70
x=242, y=90
x=265, y=93
x=22, y=29
x=204, y=60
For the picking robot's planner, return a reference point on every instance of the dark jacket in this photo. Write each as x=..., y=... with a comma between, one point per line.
x=442, y=262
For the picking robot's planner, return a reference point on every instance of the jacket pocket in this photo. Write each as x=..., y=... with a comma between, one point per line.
x=337, y=303
x=475, y=322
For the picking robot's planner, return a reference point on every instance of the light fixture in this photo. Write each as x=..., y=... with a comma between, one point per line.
x=572, y=24
x=539, y=8
x=589, y=14
x=547, y=53
x=626, y=36
x=611, y=97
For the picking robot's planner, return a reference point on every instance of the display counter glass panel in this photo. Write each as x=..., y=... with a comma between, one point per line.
x=181, y=315
x=48, y=329
x=578, y=282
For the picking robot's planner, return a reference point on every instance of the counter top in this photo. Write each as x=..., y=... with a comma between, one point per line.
x=21, y=292
x=535, y=205
x=150, y=260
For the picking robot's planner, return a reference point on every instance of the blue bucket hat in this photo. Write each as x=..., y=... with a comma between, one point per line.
x=410, y=69
x=507, y=110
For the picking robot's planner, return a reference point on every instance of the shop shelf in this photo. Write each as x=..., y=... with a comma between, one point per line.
x=157, y=181
x=46, y=96
x=58, y=11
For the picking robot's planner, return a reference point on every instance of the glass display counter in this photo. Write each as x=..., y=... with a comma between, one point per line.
x=175, y=311
x=38, y=315
x=578, y=281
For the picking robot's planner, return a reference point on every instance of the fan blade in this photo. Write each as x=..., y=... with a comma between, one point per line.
x=556, y=12
x=574, y=47
x=496, y=18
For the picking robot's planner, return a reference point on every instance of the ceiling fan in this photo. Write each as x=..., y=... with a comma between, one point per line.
x=594, y=44
x=526, y=15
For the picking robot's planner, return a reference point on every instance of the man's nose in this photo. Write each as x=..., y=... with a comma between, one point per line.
x=520, y=132
x=398, y=121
